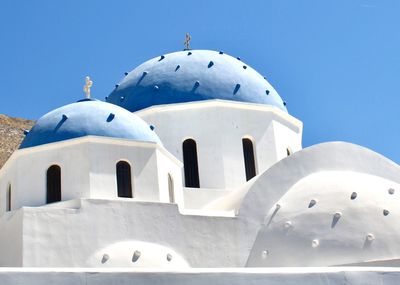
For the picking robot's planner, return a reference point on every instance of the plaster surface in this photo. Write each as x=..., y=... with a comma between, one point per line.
x=71, y=233
x=218, y=128
x=218, y=276
x=88, y=170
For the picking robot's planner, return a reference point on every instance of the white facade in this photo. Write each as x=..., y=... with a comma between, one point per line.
x=218, y=128
x=88, y=170
x=329, y=205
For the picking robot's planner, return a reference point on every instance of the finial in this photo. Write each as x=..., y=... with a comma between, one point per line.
x=86, y=88
x=187, y=41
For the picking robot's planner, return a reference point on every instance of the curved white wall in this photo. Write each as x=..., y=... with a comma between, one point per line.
x=331, y=218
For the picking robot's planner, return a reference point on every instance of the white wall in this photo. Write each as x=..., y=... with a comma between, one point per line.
x=7, y=178
x=67, y=236
x=315, y=237
x=142, y=159
x=164, y=169
x=88, y=170
x=26, y=171
x=198, y=198
x=11, y=239
x=218, y=128
x=226, y=276
x=329, y=173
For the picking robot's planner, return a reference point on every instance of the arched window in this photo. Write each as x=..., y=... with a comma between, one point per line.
x=190, y=164
x=249, y=161
x=8, y=198
x=171, y=189
x=124, y=182
x=53, y=178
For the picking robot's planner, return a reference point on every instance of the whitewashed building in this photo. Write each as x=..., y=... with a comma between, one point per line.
x=193, y=171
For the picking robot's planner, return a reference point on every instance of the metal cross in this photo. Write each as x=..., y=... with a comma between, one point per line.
x=86, y=88
x=187, y=41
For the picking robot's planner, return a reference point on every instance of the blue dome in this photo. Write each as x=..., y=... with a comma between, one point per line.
x=193, y=75
x=88, y=117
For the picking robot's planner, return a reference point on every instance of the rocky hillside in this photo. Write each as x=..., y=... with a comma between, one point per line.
x=11, y=135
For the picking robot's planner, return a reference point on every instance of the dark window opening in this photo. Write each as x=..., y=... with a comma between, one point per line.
x=190, y=164
x=8, y=198
x=124, y=182
x=53, y=184
x=249, y=161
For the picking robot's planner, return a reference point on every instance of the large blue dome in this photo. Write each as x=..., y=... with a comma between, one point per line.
x=193, y=75
x=88, y=117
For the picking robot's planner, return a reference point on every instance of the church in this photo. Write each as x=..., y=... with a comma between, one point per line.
x=191, y=171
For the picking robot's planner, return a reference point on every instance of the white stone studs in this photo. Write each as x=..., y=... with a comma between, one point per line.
x=264, y=254
x=288, y=225
x=368, y=241
x=370, y=237
x=315, y=243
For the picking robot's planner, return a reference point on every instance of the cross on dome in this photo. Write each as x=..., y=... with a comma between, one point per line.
x=187, y=41
x=88, y=85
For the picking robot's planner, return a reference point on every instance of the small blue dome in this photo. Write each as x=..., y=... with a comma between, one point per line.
x=193, y=75
x=85, y=118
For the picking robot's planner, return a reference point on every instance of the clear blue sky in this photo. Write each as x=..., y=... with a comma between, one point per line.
x=336, y=62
